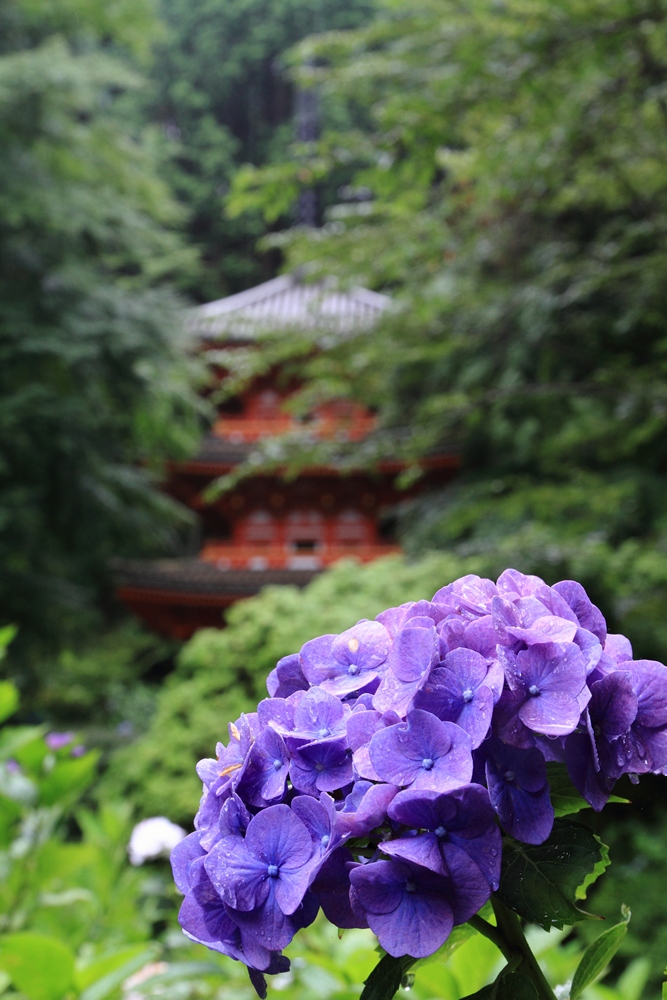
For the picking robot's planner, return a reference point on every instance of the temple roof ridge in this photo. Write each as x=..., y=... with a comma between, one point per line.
x=289, y=302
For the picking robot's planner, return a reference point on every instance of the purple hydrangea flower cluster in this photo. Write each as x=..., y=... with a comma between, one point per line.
x=375, y=780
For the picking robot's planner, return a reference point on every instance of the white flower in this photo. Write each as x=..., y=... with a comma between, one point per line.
x=152, y=838
x=144, y=974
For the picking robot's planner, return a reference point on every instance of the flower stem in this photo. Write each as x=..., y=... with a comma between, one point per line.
x=482, y=926
x=510, y=940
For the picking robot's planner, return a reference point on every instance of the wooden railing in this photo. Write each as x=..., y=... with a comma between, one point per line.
x=227, y=555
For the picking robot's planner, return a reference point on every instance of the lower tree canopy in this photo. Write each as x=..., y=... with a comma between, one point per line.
x=95, y=386
x=516, y=208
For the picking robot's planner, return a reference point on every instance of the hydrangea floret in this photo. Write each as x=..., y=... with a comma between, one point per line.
x=392, y=765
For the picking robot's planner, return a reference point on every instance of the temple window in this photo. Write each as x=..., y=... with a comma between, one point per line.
x=352, y=528
x=304, y=531
x=259, y=528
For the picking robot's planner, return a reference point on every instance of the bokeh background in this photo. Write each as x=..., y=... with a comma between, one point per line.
x=497, y=167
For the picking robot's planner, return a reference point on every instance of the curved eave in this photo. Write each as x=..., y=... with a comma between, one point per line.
x=203, y=467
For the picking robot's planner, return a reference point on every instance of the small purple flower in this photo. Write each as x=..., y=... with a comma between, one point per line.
x=519, y=791
x=470, y=595
x=318, y=715
x=549, y=681
x=332, y=889
x=405, y=906
x=271, y=862
x=618, y=648
x=423, y=752
x=347, y=662
x=286, y=677
x=414, y=653
x=645, y=745
x=319, y=818
x=234, y=817
x=588, y=615
x=395, y=619
x=56, y=741
x=479, y=635
x=365, y=808
x=515, y=585
x=321, y=767
x=220, y=776
x=181, y=859
x=453, y=823
x=268, y=927
x=457, y=691
x=411, y=909
x=264, y=778
x=595, y=756
x=205, y=920
x=231, y=760
x=361, y=727
x=527, y=620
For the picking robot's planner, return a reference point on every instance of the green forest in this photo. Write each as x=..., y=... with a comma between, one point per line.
x=499, y=169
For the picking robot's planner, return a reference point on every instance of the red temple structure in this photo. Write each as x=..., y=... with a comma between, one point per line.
x=267, y=530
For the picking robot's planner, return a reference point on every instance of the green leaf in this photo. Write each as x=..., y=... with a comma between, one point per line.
x=41, y=967
x=597, y=956
x=9, y=699
x=508, y=986
x=542, y=883
x=15, y=738
x=10, y=811
x=7, y=633
x=459, y=936
x=632, y=981
x=106, y=974
x=186, y=972
x=92, y=972
x=564, y=796
x=68, y=780
x=386, y=977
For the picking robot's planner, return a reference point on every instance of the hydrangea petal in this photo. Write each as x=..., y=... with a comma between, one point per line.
x=365, y=808
x=240, y=879
x=554, y=715
x=406, y=907
x=181, y=858
x=423, y=752
x=332, y=888
x=588, y=615
x=321, y=767
x=205, y=920
x=415, y=650
x=277, y=836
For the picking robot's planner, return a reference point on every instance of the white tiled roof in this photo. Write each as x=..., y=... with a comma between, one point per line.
x=288, y=303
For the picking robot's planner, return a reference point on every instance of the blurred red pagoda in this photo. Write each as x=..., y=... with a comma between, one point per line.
x=267, y=530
